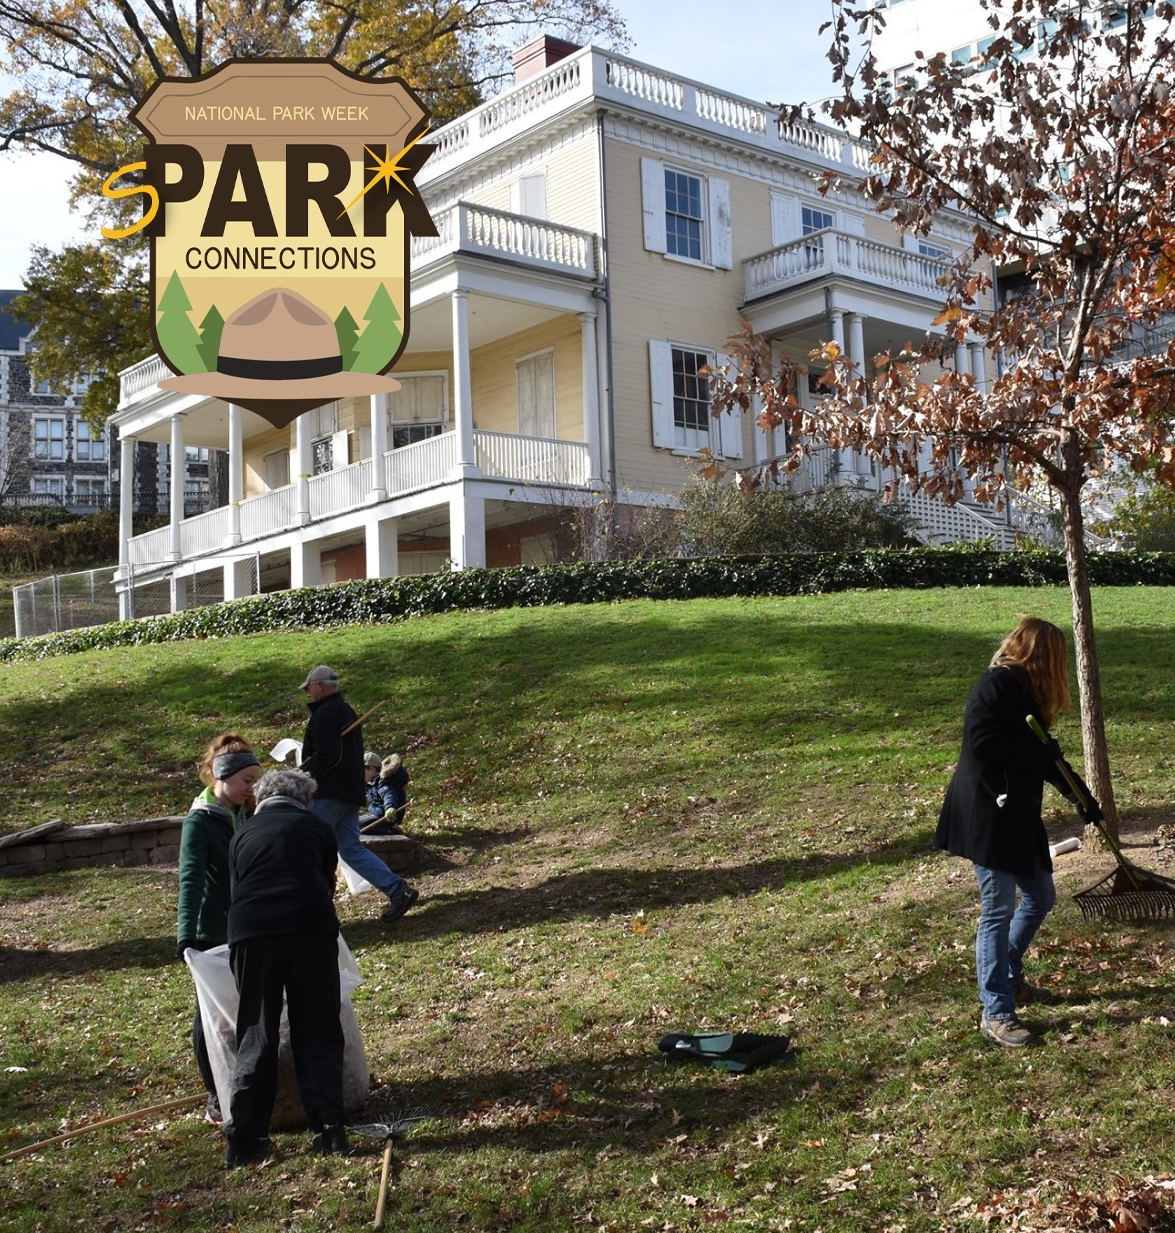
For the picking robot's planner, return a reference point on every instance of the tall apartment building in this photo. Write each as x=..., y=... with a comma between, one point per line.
x=604, y=226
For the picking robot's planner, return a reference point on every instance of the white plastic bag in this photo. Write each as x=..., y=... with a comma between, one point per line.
x=216, y=992
x=356, y=882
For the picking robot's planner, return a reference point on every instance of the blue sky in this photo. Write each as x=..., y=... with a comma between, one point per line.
x=765, y=50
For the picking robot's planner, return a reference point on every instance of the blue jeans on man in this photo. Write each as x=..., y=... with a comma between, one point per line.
x=1005, y=933
x=343, y=818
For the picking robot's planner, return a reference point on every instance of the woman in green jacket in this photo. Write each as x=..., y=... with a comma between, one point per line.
x=229, y=770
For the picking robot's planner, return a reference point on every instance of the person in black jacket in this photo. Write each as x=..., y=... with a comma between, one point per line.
x=282, y=935
x=992, y=813
x=336, y=762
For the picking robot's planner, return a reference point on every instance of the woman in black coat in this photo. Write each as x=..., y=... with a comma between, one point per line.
x=992, y=812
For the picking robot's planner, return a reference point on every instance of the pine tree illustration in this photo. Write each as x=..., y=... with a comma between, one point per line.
x=378, y=342
x=347, y=328
x=210, y=331
x=177, y=335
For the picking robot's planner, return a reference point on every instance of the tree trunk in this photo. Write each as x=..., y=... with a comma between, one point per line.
x=1089, y=686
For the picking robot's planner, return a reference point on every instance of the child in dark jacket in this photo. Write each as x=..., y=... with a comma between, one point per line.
x=387, y=796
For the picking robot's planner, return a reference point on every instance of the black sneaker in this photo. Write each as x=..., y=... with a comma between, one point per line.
x=399, y=901
x=332, y=1141
x=237, y=1155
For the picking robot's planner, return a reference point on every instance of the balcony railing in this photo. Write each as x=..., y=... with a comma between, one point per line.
x=832, y=252
x=335, y=492
x=477, y=229
x=423, y=464
x=630, y=85
x=535, y=460
x=531, y=461
x=141, y=378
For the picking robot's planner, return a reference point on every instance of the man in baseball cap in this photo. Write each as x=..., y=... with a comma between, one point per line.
x=334, y=757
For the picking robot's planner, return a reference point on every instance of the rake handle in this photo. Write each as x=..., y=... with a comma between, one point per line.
x=381, y=1203
x=1075, y=788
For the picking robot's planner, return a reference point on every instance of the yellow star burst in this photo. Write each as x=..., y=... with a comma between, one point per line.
x=386, y=169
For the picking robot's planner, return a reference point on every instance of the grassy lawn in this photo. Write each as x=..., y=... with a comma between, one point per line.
x=639, y=818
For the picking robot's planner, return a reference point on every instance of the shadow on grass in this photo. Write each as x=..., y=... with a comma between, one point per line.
x=623, y=1102
x=146, y=953
x=601, y=893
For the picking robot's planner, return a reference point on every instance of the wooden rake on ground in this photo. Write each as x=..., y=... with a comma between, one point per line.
x=1126, y=892
x=389, y=1132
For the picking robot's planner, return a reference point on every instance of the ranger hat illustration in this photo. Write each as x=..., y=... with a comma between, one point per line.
x=280, y=345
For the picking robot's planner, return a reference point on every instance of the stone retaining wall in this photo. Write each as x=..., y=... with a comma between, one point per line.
x=152, y=841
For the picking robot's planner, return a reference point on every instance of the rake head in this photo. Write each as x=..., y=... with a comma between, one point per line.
x=1128, y=893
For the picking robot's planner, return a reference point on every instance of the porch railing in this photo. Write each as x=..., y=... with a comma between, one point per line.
x=142, y=377
x=205, y=532
x=830, y=252
x=423, y=464
x=469, y=228
x=151, y=548
x=338, y=491
x=537, y=460
x=269, y=512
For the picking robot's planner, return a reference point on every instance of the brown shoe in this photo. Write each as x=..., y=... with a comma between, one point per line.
x=1027, y=995
x=1010, y=1033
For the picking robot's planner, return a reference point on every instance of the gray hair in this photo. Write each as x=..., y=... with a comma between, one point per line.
x=296, y=784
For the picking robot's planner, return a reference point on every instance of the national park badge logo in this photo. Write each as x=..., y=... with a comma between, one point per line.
x=282, y=206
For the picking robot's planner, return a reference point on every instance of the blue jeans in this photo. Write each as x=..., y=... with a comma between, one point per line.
x=343, y=818
x=1005, y=933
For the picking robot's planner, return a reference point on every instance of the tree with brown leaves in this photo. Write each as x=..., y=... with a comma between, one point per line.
x=1060, y=145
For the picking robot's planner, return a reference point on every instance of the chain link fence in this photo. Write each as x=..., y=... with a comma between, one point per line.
x=89, y=597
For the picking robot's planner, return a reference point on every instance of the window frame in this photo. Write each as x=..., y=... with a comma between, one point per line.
x=702, y=257
x=49, y=421
x=89, y=444
x=408, y=432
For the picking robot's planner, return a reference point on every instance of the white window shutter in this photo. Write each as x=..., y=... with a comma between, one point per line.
x=785, y=219
x=364, y=441
x=721, y=243
x=910, y=242
x=293, y=466
x=854, y=224
x=528, y=195
x=661, y=380
x=338, y=450
x=653, y=204
x=730, y=423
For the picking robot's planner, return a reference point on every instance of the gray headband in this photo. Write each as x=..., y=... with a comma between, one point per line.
x=226, y=765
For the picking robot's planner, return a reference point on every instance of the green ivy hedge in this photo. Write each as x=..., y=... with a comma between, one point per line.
x=390, y=599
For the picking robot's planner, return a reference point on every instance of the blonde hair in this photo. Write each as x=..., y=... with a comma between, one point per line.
x=1036, y=648
x=227, y=742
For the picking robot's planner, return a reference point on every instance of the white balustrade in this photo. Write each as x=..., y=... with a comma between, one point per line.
x=529, y=98
x=206, y=532
x=640, y=81
x=731, y=112
x=269, y=512
x=151, y=548
x=838, y=252
x=535, y=460
x=422, y=464
x=141, y=378
x=335, y=492
x=477, y=229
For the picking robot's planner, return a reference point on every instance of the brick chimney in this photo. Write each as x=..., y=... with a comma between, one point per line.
x=539, y=54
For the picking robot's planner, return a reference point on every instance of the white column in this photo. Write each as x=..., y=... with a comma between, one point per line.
x=467, y=530
x=838, y=326
x=463, y=385
x=179, y=593
x=591, y=398
x=236, y=474
x=238, y=578
x=379, y=447
x=383, y=547
x=304, y=466
x=126, y=514
x=178, y=464
x=305, y=565
x=962, y=360
x=126, y=498
x=979, y=368
x=857, y=342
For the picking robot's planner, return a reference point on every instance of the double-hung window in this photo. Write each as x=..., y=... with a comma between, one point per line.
x=683, y=214
x=682, y=414
x=90, y=443
x=89, y=491
x=935, y=252
x=49, y=438
x=686, y=214
x=812, y=221
x=419, y=409
x=49, y=486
